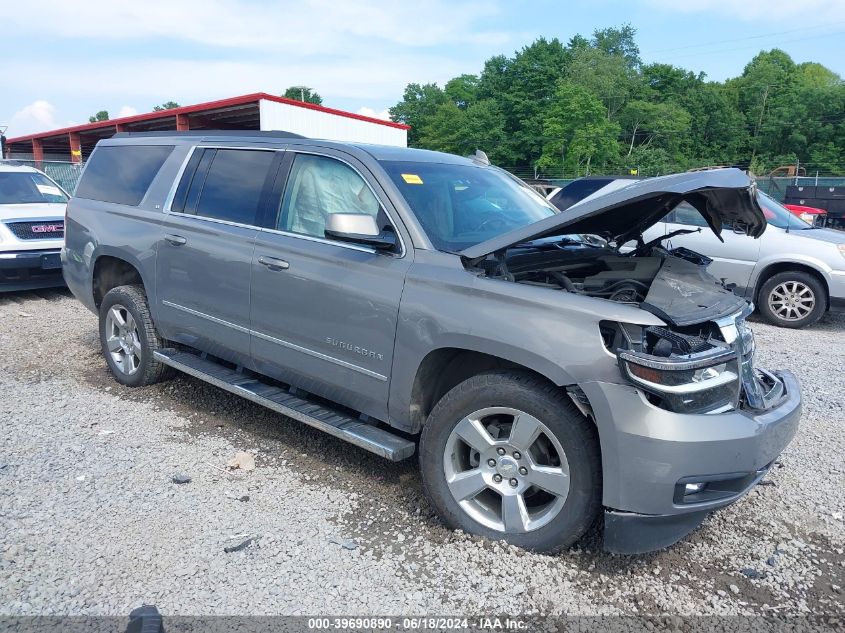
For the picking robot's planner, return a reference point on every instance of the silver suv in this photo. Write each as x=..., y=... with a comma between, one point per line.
x=411, y=301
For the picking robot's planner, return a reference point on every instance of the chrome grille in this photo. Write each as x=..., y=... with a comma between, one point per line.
x=39, y=230
x=761, y=389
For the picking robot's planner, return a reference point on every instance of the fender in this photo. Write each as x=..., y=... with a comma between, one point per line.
x=143, y=262
x=758, y=275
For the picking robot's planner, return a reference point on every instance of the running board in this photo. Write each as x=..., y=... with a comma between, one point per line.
x=326, y=419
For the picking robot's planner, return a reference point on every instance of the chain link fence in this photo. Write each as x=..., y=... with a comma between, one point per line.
x=65, y=173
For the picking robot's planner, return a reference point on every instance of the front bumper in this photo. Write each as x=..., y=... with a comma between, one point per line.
x=836, y=288
x=27, y=270
x=648, y=453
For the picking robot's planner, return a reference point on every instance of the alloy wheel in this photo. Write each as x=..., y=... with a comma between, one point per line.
x=122, y=339
x=791, y=300
x=506, y=470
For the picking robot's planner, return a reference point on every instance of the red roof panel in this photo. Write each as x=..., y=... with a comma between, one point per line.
x=203, y=107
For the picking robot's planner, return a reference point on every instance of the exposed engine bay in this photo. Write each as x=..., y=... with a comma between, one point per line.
x=673, y=284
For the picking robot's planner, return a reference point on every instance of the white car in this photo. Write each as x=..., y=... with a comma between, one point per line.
x=32, y=228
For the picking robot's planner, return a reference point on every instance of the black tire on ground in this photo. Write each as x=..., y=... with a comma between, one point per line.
x=528, y=393
x=134, y=300
x=805, y=280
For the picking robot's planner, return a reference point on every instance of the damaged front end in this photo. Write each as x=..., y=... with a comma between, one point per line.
x=701, y=359
x=701, y=368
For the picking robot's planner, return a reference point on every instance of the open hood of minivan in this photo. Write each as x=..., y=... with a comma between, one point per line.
x=720, y=195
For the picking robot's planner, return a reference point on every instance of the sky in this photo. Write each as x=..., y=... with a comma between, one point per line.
x=64, y=61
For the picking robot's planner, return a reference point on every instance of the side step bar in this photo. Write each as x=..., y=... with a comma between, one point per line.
x=319, y=416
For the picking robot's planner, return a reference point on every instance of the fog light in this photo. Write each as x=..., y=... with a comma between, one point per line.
x=691, y=489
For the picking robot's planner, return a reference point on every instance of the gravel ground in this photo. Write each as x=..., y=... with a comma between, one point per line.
x=92, y=523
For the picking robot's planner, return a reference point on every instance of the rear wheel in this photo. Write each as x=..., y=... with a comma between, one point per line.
x=508, y=456
x=129, y=338
x=792, y=299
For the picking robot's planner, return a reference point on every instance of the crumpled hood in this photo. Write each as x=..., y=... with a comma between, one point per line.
x=683, y=293
x=720, y=195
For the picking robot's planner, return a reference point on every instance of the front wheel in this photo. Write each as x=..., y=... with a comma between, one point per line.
x=508, y=456
x=792, y=299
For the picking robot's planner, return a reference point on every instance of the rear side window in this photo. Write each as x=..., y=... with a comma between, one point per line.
x=225, y=184
x=687, y=214
x=122, y=173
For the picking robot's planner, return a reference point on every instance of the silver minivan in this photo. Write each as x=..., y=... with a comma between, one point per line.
x=794, y=272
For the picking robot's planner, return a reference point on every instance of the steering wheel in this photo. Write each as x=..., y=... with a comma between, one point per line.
x=493, y=219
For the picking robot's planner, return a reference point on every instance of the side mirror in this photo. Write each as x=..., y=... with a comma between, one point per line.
x=359, y=228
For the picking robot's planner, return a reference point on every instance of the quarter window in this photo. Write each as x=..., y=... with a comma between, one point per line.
x=122, y=173
x=319, y=186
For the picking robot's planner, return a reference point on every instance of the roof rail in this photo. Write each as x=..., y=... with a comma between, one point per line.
x=266, y=133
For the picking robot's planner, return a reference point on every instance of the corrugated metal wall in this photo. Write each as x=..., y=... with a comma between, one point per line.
x=316, y=124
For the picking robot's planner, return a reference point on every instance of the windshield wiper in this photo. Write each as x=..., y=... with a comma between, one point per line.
x=553, y=245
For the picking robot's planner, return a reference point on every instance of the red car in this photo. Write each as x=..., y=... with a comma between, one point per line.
x=808, y=214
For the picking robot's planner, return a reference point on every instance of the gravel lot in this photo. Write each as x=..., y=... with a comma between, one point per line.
x=91, y=522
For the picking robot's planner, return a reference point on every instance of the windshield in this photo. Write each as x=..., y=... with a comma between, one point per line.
x=459, y=206
x=778, y=215
x=28, y=188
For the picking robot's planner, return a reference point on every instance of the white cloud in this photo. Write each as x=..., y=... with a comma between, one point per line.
x=192, y=81
x=302, y=27
x=384, y=114
x=353, y=51
x=36, y=117
x=809, y=11
x=126, y=111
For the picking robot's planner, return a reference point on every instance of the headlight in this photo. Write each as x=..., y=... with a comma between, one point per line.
x=808, y=217
x=693, y=383
x=841, y=248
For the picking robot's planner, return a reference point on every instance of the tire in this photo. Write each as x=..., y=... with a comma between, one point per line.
x=784, y=299
x=487, y=401
x=134, y=342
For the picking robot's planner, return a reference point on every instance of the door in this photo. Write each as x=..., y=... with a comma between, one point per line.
x=734, y=259
x=204, y=256
x=324, y=312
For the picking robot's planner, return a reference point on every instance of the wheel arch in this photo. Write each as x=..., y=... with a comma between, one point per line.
x=110, y=271
x=445, y=367
x=786, y=266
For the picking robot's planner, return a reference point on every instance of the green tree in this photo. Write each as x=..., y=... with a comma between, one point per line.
x=608, y=77
x=102, y=115
x=167, y=105
x=524, y=88
x=619, y=42
x=651, y=124
x=462, y=90
x=418, y=105
x=668, y=118
x=578, y=135
x=303, y=93
x=462, y=131
x=717, y=133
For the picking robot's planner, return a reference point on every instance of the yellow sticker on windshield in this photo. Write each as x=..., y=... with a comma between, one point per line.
x=412, y=179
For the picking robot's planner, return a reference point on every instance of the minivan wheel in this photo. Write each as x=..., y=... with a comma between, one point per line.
x=508, y=456
x=129, y=338
x=792, y=299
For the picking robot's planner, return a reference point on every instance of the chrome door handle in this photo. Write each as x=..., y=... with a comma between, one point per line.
x=273, y=263
x=176, y=240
